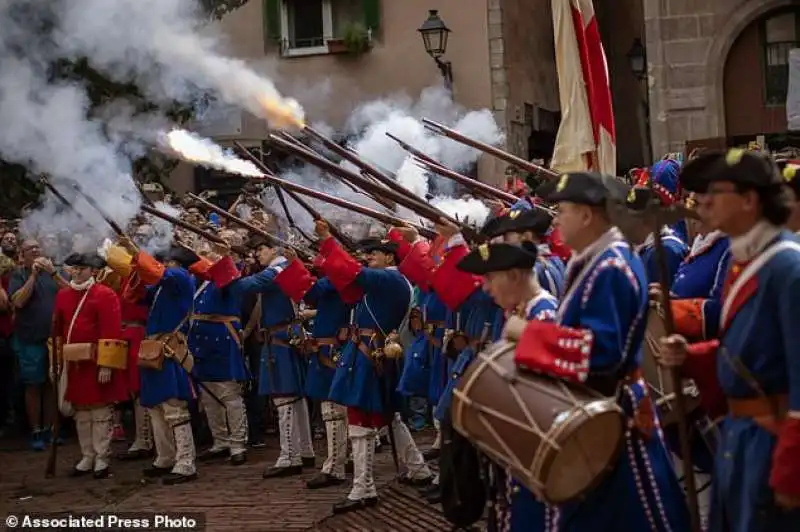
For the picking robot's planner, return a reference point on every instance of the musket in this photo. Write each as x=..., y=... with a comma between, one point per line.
x=487, y=191
x=184, y=225
x=339, y=202
x=349, y=184
x=384, y=179
x=111, y=223
x=338, y=234
x=274, y=240
x=60, y=197
x=423, y=209
x=412, y=150
x=487, y=148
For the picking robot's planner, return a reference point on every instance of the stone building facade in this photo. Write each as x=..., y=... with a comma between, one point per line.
x=717, y=70
x=501, y=53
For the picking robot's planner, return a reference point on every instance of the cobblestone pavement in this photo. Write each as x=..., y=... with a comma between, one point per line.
x=232, y=498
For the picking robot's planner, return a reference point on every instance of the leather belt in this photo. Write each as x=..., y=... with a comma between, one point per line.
x=134, y=323
x=228, y=321
x=756, y=407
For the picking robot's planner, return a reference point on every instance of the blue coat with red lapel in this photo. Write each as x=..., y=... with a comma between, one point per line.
x=386, y=300
x=697, y=288
x=759, y=354
x=602, y=314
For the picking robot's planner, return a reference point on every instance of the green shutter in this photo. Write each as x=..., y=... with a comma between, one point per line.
x=272, y=20
x=372, y=14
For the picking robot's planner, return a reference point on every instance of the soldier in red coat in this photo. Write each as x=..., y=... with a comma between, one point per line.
x=87, y=327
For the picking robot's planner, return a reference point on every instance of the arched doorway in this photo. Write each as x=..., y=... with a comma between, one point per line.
x=755, y=79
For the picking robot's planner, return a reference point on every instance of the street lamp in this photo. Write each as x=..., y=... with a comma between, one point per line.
x=637, y=58
x=434, y=36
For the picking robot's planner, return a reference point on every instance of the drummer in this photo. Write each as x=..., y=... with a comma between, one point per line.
x=532, y=225
x=596, y=340
x=509, y=278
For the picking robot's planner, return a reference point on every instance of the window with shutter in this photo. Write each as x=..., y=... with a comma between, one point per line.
x=779, y=33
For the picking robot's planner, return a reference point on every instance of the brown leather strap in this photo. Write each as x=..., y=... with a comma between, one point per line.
x=762, y=406
x=228, y=321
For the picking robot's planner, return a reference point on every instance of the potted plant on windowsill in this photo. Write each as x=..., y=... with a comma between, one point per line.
x=356, y=39
x=336, y=46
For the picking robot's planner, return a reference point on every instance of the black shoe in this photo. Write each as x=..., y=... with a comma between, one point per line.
x=257, y=444
x=349, y=505
x=238, y=459
x=79, y=473
x=323, y=480
x=431, y=454
x=310, y=462
x=155, y=471
x=435, y=497
x=213, y=454
x=349, y=468
x=415, y=482
x=138, y=454
x=279, y=472
x=103, y=473
x=171, y=479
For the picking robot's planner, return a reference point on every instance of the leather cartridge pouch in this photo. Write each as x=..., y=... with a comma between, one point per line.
x=151, y=354
x=78, y=352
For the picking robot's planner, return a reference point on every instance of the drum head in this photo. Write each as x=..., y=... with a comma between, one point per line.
x=591, y=450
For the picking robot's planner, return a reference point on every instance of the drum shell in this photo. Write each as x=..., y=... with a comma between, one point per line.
x=563, y=438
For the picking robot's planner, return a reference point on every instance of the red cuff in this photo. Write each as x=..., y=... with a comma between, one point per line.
x=403, y=245
x=555, y=350
x=149, y=269
x=295, y=280
x=689, y=318
x=701, y=367
x=785, y=475
x=451, y=284
x=221, y=273
x=418, y=265
x=557, y=246
x=340, y=267
x=351, y=294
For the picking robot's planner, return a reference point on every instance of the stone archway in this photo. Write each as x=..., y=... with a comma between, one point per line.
x=737, y=21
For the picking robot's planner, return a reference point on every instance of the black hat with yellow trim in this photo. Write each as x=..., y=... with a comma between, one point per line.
x=743, y=167
x=586, y=188
x=85, y=260
x=499, y=257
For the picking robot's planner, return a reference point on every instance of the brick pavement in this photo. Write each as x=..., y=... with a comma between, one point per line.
x=233, y=498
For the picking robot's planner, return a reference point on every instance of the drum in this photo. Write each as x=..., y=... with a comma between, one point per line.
x=658, y=378
x=559, y=439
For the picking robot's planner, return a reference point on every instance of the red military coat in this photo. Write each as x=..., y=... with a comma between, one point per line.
x=100, y=318
x=134, y=320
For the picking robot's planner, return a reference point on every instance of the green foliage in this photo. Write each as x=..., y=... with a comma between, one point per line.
x=356, y=38
x=19, y=192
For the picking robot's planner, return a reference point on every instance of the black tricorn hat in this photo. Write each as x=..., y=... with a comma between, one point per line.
x=488, y=258
x=85, y=260
x=584, y=188
x=384, y=246
x=743, y=167
x=536, y=220
x=183, y=256
x=639, y=198
x=493, y=227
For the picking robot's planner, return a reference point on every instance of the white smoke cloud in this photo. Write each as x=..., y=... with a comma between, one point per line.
x=164, y=47
x=45, y=128
x=192, y=147
x=400, y=116
x=468, y=210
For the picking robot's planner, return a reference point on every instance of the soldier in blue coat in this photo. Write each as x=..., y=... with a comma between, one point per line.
x=509, y=279
x=606, y=300
x=166, y=387
x=331, y=316
x=756, y=361
x=282, y=372
x=365, y=379
x=674, y=247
